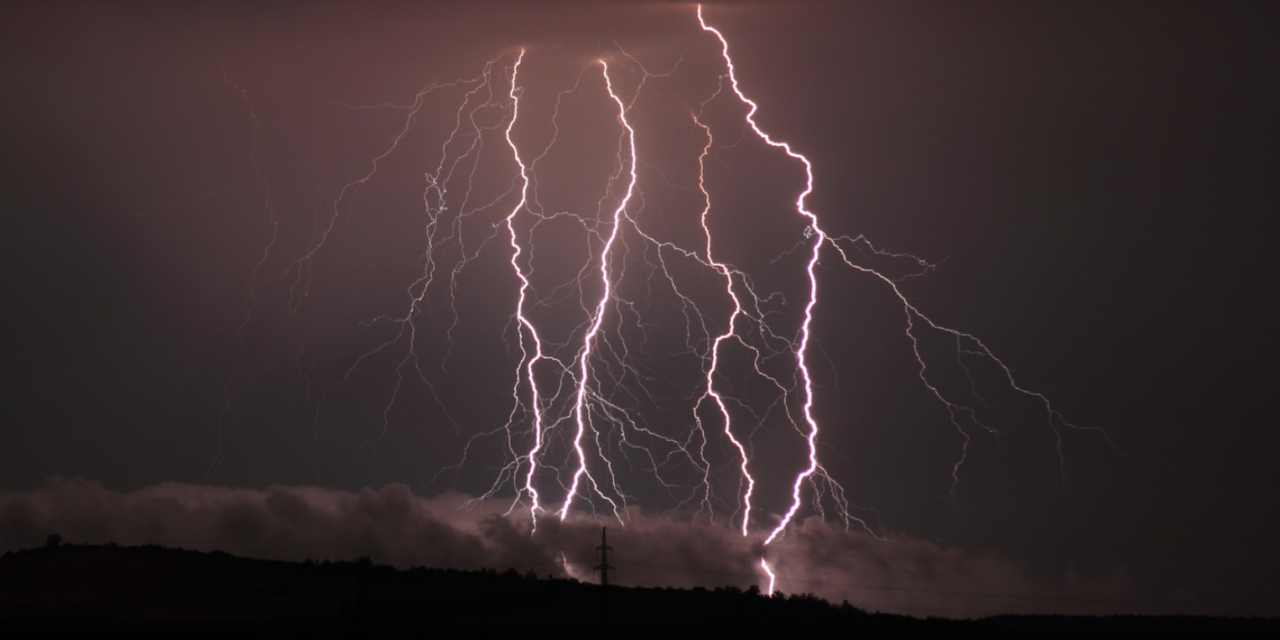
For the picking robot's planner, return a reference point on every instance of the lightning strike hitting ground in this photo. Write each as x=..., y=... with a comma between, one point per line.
x=820, y=238
x=581, y=286
x=535, y=402
x=580, y=408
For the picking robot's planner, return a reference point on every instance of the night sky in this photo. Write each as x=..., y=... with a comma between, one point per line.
x=1090, y=187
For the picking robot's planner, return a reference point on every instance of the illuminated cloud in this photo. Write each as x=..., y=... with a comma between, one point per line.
x=393, y=526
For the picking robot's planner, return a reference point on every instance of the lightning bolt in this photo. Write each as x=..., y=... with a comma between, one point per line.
x=966, y=343
x=729, y=334
x=819, y=238
x=580, y=409
x=574, y=428
x=528, y=361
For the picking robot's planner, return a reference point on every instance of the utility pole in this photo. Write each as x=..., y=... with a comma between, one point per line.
x=604, y=567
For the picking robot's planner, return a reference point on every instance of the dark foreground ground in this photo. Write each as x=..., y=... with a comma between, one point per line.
x=158, y=592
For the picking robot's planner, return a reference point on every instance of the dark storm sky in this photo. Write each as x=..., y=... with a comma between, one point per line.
x=1096, y=180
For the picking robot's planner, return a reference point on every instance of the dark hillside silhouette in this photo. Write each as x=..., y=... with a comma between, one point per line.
x=151, y=591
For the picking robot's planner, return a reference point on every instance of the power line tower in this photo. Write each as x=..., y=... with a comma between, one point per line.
x=604, y=567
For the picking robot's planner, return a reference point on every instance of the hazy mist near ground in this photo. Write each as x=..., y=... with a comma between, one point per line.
x=392, y=526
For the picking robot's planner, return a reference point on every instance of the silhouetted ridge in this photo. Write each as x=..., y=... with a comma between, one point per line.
x=153, y=590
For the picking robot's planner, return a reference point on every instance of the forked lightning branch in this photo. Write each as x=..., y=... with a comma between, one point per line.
x=576, y=434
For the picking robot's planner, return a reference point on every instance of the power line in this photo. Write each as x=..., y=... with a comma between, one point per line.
x=752, y=576
x=951, y=593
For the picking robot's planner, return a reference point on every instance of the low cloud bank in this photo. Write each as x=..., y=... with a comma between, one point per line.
x=393, y=526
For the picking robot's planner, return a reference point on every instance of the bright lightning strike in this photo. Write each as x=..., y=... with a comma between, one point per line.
x=589, y=416
x=819, y=239
x=580, y=408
